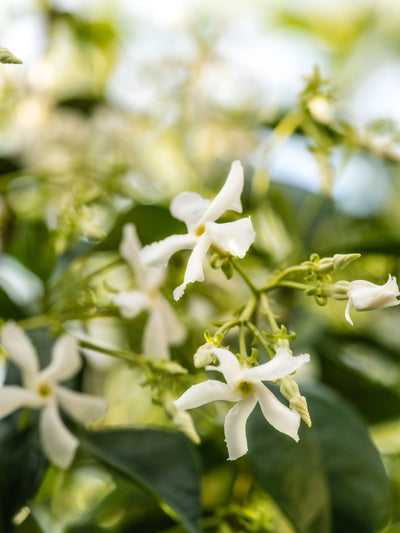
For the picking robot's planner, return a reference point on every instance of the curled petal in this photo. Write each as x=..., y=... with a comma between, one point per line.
x=58, y=442
x=366, y=296
x=208, y=391
x=347, y=312
x=280, y=366
x=235, y=427
x=81, y=407
x=157, y=254
x=189, y=207
x=13, y=398
x=131, y=303
x=21, y=351
x=65, y=362
x=129, y=249
x=228, y=197
x=278, y=415
x=233, y=237
x=228, y=365
x=194, y=268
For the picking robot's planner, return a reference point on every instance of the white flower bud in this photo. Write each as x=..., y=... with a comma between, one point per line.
x=203, y=356
x=365, y=296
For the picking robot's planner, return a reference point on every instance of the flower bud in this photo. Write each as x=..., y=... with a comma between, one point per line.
x=338, y=291
x=299, y=404
x=365, y=296
x=203, y=356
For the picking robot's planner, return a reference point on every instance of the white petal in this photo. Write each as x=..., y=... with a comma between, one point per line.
x=208, y=391
x=157, y=254
x=194, y=268
x=155, y=337
x=278, y=415
x=131, y=303
x=21, y=351
x=228, y=364
x=233, y=237
x=81, y=407
x=58, y=442
x=228, y=197
x=65, y=361
x=347, y=312
x=189, y=207
x=13, y=398
x=366, y=296
x=129, y=249
x=235, y=427
x=281, y=365
x=175, y=331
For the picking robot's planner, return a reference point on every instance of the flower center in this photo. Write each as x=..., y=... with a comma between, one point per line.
x=200, y=230
x=245, y=387
x=44, y=390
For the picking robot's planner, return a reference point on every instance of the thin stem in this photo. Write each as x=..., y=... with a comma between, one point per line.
x=261, y=339
x=269, y=314
x=275, y=280
x=35, y=322
x=245, y=278
x=242, y=342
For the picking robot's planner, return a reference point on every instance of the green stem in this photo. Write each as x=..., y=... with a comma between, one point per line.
x=245, y=278
x=36, y=322
x=242, y=342
x=261, y=339
x=275, y=280
x=269, y=314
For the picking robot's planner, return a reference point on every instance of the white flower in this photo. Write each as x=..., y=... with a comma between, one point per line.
x=244, y=386
x=365, y=296
x=42, y=391
x=199, y=215
x=163, y=327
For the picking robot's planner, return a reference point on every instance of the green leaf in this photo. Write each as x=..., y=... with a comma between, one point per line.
x=162, y=461
x=22, y=466
x=8, y=57
x=333, y=479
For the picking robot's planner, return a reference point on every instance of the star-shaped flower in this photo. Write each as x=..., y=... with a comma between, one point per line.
x=199, y=215
x=244, y=386
x=41, y=390
x=163, y=327
x=365, y=296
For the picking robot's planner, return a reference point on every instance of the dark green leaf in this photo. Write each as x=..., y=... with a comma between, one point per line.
x=333, y=478
x=162, y=461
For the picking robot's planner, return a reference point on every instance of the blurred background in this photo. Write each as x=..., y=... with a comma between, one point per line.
x=121, y=104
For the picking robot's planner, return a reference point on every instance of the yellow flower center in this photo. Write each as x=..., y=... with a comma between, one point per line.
x=200, y=230
x=245, y=387
x=44, y=390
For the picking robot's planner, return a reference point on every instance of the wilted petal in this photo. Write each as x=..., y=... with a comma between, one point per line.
x=194, y=269
x=235, y=427
x=58, y=442
x=13, y=398
x=157, y=254
x=189, y=207
x=21, y=351
x=208, y=391
x=228, y=364
x=233, y=237
x=280, y=366
x=131, y=303
x=81, y=407
x=228, y=197
x=129, y=249
x=278, y=415
x=65, y=361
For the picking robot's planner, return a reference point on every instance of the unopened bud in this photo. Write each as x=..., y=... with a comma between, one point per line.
x=338, y=291
x=341, y=261
x=289, y=388
x=203, y=356
x=299, y=404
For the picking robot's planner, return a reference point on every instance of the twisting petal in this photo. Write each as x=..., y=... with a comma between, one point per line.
x=155, y=337
x=278, y=415
x=13, y=398
x=194, y=268
x=235, y=426
x=129, y=249
x=21, y=351
x=228, y=365
x=208, y=391
x=228, y=197
x=157, y=254
x=281, y=365
x=233, y=237
x=189, y=207
x=81, y=407
x=131, y=303
x=347, y=312
x=58, y=442
x=65, y=361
